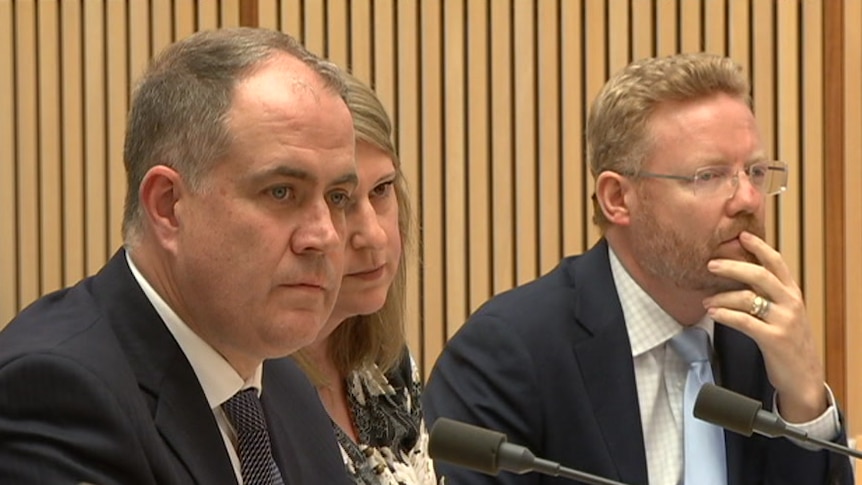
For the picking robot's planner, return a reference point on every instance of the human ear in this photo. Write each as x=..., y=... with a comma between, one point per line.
x=160, y=193
x=612, y=190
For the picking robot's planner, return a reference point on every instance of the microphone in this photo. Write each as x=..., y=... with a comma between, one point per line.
x=487, y=451
x=745, y=416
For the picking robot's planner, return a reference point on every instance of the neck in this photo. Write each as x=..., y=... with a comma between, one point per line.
x=332, y=389
x=681, y=304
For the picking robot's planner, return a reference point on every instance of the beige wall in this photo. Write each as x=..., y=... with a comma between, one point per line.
x=489, y=99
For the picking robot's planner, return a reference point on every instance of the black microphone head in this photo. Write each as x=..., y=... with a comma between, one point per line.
x=465, y=445
x=727, y=409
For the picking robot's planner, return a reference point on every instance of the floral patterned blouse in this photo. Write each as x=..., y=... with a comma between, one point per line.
x=393, y=440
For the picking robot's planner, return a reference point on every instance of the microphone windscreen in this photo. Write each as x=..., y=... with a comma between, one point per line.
x=727, y=409
x=465, y=445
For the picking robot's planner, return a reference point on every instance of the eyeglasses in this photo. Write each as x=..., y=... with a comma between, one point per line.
x=769, y=178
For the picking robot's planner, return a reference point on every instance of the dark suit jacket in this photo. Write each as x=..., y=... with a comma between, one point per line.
x=550, y=365
x=93, y=388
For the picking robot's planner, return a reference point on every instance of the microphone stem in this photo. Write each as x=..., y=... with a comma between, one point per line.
x=844, y=450
x=555, y=470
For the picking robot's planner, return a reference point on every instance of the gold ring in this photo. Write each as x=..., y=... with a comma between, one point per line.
x=760, y=307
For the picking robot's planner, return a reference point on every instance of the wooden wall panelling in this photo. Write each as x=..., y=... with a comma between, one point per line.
x=95, y=164
x=184, y=21
x=229, y=13
x=764, y=88
x=407, y=140
x=811, y=168
x=715, y=26
x=548, y=135
x=291, y=18
x=162, y=24
x=576, y=210
x=739, y=33
x=479, y=191
x=314, y=27
x=340, y=34
x=642, y=29
x=454, y=165
x=502, y=160
x=207, y=16
x=666, y=27
x=72, y=139
x=360, y=40
x=526, y=228
x=619, y=28
x=596, y=72
x=691, y=26
x=431, y=172
x=268, y=17
x=27, y=152
x=852, y=194
x=8, y=216
x=49, y=136
x=384, y=54
x=118, y=95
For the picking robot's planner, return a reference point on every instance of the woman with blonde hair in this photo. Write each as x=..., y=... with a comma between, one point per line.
x=360, y=364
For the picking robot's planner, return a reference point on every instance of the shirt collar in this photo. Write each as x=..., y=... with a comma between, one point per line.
x=217, y=377
x=648, y=325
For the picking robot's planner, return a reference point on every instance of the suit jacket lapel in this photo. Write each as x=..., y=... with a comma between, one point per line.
x=606, y=364
x=304, y=444
x=173, y=394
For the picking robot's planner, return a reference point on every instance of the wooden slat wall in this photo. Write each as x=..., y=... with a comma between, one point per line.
x=489, y=99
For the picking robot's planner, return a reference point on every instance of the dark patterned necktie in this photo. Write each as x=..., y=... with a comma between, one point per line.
x=253, y=447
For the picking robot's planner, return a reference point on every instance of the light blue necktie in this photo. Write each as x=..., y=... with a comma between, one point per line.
x=253, y=446
x=704, y=462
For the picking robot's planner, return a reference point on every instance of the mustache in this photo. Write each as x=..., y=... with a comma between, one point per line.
x=745, y=222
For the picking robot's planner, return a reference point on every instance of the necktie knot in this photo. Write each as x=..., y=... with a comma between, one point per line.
x=692, y=344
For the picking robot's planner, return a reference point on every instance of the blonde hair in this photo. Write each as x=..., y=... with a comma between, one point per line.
x=179, y=107
x=618, y=136
x=378, y=337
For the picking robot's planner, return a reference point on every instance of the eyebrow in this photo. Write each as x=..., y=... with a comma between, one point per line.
x=290, y=172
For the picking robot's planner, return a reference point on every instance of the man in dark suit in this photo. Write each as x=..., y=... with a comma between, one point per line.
x=239, y=155
x=580, y=365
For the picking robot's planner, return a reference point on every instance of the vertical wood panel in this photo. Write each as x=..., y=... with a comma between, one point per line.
x=8, y=216
x=162, y=28
x=811, y=170
x=595, y=75
x=341, y=33
x=690, y=26
x=576, y=208
x=432, y=174
x=618, y=43
x=118, y=95
x=360, y=39
x=291, y=18
x=642, y=29
x=715, y=26
x=314, y=27
x=501, y=146
x=548, y=162
x=229, y=13
x=526, y=228
x=50, y=209
x=739, y=34
x=407, y=114
x=385, y=66
x=454, y=166
x=95, y=176
x=666, y=26
x=139, y=39
x=184, y=21
x=763, y=89
x=479, y=160
x=207, y=16
x=852, y=192
x=74, y=239
x=268, y=14
x=26, y=129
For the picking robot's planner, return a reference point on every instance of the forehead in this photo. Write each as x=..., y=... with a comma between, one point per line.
x=714, y=129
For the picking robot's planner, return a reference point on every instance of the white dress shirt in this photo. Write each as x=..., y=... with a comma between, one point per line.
x=660, y=376
x=217, y=378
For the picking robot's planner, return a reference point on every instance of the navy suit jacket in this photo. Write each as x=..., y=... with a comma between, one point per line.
x=94, y=388
x=549, y=364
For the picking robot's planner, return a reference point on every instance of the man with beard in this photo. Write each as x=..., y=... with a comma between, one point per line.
x=585, y=366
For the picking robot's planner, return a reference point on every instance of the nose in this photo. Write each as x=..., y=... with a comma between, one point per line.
x=746, y=197
x=319, y=230
x=363, y=226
